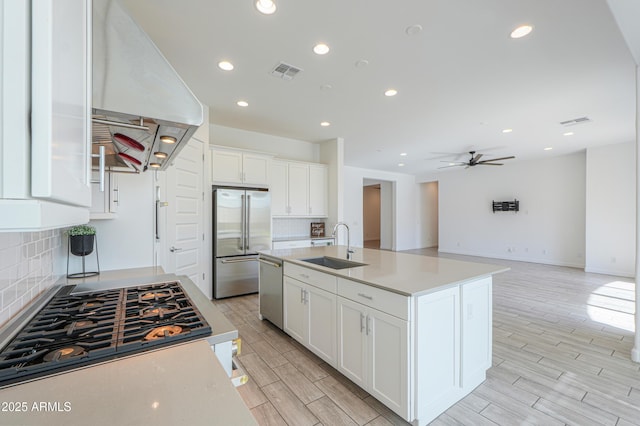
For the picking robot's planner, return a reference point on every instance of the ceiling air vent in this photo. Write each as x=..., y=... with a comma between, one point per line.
x=575, y=121
x=285, y=71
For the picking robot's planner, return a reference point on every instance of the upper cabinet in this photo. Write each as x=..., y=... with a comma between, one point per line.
x=45, y=143
x=239, y=167
x=299, y=189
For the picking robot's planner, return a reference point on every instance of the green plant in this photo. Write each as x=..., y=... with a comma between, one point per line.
x=81, y=230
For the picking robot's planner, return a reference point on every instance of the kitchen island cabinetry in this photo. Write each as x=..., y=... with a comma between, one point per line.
x=413, y=331
x=45, y=143
x=310, y=311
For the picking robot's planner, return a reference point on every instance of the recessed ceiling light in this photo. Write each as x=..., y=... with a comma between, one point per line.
x=225, y=65
x=521, y=31
x=413, y=29
x=403, y=154
x=568, y=134
x=168, y=139
x=390, y=92
x=548, y=148
x=266, y=6
x=160, y=154
x=400, y=164
x=325, y=124
x=326, y=87
x=507, y=130
x=361, y=63
x=242, y=103
x=154, y=165
x=321, y=49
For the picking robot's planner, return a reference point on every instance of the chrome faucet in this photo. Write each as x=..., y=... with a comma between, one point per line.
x=333, y=234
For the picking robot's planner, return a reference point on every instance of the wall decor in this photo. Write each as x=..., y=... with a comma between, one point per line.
x=506, y=206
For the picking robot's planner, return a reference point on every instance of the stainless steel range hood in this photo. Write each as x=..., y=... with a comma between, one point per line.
x=141, y=107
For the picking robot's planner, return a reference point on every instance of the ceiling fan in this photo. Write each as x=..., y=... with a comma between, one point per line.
x=475, y=161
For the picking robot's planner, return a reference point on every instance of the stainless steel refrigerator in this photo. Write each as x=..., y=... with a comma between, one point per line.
x=241, y=227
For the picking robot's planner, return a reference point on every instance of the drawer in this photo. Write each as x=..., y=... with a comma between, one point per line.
x=382, y=300
x=310, y=276
x=291, y=244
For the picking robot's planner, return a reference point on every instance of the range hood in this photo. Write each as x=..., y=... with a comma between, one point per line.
x=143, y=113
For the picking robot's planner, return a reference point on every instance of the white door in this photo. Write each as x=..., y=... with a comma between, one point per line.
x=321, y=306
x=388, y=360
x=185, y=216
x=294, y=310
x=352, y=341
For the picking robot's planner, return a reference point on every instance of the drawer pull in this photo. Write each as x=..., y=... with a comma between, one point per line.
x=365, y=296
x=304, y=276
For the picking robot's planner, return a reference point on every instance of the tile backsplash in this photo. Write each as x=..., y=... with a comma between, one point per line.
x=284, y=228
x=26, y=268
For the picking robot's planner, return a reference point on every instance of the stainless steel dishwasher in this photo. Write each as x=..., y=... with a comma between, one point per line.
x=270, y=283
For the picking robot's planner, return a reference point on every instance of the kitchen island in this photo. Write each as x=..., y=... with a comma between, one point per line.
x=413, y=331
x=184, y=383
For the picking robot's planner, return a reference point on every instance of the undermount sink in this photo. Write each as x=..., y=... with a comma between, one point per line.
x=333, y=262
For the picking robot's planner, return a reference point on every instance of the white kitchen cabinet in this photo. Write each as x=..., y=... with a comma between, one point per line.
x=310, y=311
x=318, y=190
x=373, y=352
x=476, y=332
x=104, y=204
x=45, y=143
x=299, y=189
x=238, y=167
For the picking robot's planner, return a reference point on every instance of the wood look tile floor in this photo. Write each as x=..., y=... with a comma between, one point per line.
x=562, y=340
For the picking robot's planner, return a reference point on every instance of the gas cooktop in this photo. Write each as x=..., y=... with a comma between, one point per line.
x=75, y=330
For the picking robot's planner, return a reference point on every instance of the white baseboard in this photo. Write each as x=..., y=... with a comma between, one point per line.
x=614, y=272
x=515, y=258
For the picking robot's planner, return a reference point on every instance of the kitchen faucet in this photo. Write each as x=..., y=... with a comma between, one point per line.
x=333, y=234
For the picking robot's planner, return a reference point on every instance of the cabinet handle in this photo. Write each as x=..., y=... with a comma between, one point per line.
x=306, y=297
x=368, y=325
x=305, y=276
x=301, y=295
x=361, y=322
x=100, y=156
x=365, y=296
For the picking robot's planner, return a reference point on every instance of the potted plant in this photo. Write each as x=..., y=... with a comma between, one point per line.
x=81, y=239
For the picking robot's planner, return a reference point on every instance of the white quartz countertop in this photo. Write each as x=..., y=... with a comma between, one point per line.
x=180, y=385
x=403, y=273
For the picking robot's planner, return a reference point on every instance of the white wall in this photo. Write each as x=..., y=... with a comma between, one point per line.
x=290, y=149
x=429, y=214
x=128, y=241
x=405, y=220
x=550, y=227
x=611, y=210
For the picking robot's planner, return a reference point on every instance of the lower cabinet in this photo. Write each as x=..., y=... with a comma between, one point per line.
x=373, y=353
x=310, y=317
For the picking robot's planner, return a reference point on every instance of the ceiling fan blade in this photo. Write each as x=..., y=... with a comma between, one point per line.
x=453, y=162
x=452, y=165
x=484, y=163
x=498, y=159
x=476, y=158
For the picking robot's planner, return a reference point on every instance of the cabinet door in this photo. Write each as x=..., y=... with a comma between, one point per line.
x=61, y=101
x=352, y=343
x=298, y=189
x=226, y=166
x=388, y=360
x=318, y=190
x=295, y=318
x=437, y=351
x=476, y=333
x=255, y=169
x=279, y=188
x=321, y=307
